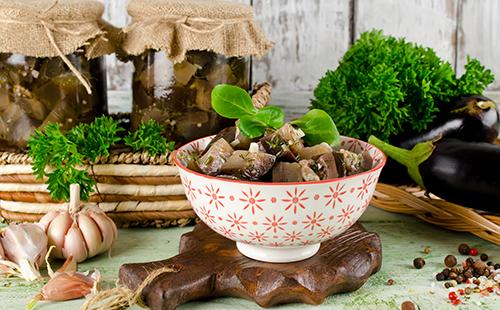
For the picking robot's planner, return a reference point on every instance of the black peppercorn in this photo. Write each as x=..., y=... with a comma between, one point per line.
x=446, y=272
x=484, y=257
x=419, y=262
x=463, y=249
x=440, y=277
x=479, y=271
x=460, y=278
x=450, y=261
x=497, y=266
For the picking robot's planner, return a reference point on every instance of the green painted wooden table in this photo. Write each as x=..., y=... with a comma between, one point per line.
x=403, y=239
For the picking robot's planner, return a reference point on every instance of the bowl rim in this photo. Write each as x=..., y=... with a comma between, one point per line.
x=260, y=183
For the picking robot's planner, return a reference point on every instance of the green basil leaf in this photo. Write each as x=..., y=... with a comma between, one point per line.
x=251, y=127
x=318, y=127
x=232, y=101
x=271, y=116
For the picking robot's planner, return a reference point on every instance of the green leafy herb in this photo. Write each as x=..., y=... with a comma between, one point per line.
x=95, y=139
x=61, y=157
x=234, y=102
x=387, y=86
x=52, y=149
x=231, y=101
x=271, y=116
x=318, y=127
x=149, y=137
x=251, y=127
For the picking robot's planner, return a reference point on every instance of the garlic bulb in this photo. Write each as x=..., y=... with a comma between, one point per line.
x=24, y=245
x=81, y=232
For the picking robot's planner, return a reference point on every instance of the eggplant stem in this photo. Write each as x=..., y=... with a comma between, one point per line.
x=409, y=158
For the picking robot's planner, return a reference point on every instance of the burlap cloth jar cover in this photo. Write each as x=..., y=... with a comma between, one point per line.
x=178, y=26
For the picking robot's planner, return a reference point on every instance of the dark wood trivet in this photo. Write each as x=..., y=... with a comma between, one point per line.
x=210, y=266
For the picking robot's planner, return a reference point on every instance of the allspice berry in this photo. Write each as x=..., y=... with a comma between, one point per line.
x=419, y=262
x=450, y=261
x=452, y=275
x=463, y=249
x=460, y=279
x=407, y=305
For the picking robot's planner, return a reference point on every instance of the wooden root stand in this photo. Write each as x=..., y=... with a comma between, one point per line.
x=210, y=266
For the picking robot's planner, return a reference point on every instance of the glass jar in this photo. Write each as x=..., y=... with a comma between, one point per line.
x=35, y=91
x=178, y=95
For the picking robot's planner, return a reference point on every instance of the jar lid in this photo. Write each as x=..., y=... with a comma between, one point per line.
x=178, y=26
x=47, y=28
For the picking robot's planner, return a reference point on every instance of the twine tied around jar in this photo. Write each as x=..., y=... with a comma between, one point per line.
x=122, y=297
x=188, y=23
x=51, y=26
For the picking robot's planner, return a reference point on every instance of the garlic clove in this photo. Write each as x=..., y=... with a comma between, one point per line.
x=57, y=230
x=74, y=244
x=91, y=233
x=25, y=245
x=47, y=219
x=107, y=227
x=67, y=286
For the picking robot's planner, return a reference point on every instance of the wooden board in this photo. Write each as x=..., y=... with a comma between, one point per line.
x=209, y=266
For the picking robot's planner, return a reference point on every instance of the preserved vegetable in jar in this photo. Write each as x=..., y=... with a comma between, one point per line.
x=51, y=66
x=181, y=49
x=178, y=95
x=37, y=91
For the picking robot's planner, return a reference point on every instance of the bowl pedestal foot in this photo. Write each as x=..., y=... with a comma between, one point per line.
x=277, y=254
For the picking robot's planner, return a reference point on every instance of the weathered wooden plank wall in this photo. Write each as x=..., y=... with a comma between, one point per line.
x=312, y=35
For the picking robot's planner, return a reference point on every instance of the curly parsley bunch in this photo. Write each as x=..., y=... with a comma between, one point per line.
x=386, y=86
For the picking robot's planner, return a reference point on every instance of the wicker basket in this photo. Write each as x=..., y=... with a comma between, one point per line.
x=414, y=201
x=134, y=189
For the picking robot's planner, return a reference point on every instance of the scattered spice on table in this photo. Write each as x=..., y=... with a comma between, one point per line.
x=419, y=262
x=427, y=250
x=463, y=249
x=471, y=276
x=407, y=305
x=450, y=261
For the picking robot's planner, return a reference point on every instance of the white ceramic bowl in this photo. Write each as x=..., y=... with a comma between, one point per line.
x=279, y=222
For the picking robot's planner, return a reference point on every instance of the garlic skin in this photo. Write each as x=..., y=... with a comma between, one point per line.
x=70, y=285
x=25, y=245
x=82, y=232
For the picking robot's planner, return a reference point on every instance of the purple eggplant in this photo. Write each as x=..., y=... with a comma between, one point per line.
x=465, y=173
x=472, y=118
